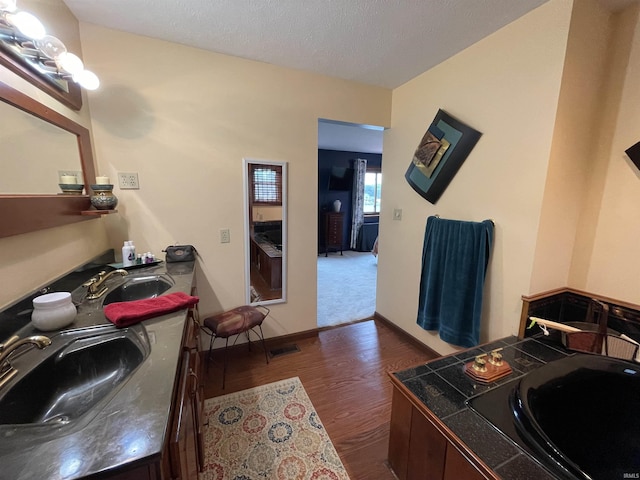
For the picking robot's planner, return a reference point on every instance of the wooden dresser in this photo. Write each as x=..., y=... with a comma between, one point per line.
x=333, y=231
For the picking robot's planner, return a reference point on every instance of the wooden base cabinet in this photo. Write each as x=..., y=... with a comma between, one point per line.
x=419, y=450
x=457, y=466
x=182, y=447
x=182, y=456
x=268, y=261
x=144, y=472
x=185, y=450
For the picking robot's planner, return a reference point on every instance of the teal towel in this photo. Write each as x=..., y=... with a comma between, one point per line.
x=455, y=257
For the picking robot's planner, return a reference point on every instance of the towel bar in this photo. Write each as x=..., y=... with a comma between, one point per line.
x=490, y=219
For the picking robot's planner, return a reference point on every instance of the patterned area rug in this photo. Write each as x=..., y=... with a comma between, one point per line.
x=268, y=432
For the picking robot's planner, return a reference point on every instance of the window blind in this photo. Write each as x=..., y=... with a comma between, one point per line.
x=266, y=184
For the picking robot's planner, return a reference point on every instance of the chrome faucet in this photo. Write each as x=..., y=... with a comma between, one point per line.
x=94, y=291
x=11, y=345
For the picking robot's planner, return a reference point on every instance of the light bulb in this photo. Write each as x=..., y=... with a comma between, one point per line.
x=87, y=79
x=70, y=63
x=50, y=46
x=7, y=5
x=27, y=23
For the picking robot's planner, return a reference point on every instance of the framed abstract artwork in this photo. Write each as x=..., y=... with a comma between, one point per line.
x=442, y=150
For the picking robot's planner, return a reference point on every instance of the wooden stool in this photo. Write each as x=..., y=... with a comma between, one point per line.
x=234, y=322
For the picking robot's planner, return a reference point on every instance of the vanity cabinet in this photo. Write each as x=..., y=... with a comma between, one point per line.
x=150, y=471
x=147, y=427
x=183, y=444
x=183, y=454
x=185, y=449
x=268, y=261
x=421, y=449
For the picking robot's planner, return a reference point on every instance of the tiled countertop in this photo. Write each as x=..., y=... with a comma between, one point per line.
x=443, y=387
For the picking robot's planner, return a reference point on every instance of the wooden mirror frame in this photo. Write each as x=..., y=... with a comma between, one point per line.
x=72, y=98
x=28, y=213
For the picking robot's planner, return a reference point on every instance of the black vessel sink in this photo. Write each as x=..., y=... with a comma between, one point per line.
x=583, y=412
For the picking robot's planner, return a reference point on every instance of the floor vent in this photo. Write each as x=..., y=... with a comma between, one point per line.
x=284, y=350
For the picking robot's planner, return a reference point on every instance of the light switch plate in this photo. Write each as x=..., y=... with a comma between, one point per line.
x=397, y=214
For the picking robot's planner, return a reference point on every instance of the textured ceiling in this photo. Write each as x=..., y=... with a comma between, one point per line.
x=377, y=42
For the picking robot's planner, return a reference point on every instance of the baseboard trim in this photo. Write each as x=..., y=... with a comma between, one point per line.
x=271, y=342
x=409, y=338
x=314, y=332
x=338, y=325
x=293, y=337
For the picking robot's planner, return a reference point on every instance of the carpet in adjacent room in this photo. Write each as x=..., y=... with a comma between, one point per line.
x=346, y=287
x=268, y=432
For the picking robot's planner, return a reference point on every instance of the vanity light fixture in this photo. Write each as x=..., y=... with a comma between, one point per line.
x=70, y=63
x=8, y=5
x=24, y=36
x=27, y=24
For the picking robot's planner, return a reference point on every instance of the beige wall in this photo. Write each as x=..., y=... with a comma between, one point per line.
x=506, y=86
x=567, y=217
x=267, y=214
x=614, y=266
x=184, y=119
x=31, y=260
x=574, y=155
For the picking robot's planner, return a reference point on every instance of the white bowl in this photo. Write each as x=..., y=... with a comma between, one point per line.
x=53, y=311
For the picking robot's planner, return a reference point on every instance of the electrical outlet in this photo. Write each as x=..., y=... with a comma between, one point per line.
x=225, y=235
x=128, y=181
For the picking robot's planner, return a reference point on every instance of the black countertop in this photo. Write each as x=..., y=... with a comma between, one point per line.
x=131, y=428
x=443, y=387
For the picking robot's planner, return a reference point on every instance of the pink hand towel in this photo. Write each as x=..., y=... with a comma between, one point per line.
x=123, y=314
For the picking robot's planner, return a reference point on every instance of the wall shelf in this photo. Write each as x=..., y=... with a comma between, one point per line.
x=97, y=212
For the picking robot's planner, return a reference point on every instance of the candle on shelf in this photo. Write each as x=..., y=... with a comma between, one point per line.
x=102, y=180
x=68, y=179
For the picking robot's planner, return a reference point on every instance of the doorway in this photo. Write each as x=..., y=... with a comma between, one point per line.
x=346, y=266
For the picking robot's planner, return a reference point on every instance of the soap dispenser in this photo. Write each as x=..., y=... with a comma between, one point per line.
x=128, y=254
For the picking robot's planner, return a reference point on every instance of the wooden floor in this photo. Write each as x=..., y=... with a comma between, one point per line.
x=344, y=371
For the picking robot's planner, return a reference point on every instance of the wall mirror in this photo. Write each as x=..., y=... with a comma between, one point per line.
x=265, y=212
x=33, y=206
x=24, y=139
